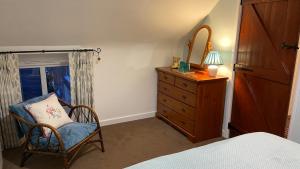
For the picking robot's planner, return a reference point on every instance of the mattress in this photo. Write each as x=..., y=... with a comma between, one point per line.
x=249, y=151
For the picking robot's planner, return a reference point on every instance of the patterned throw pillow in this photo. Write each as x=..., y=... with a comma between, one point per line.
x=49, y=111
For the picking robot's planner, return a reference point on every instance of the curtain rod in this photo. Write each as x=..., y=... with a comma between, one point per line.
x=98, y=50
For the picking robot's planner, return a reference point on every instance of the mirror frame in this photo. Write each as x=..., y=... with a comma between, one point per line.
x=207, y=47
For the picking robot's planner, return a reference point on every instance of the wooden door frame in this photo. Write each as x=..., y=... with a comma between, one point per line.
x=294, y=108
x=230, y=89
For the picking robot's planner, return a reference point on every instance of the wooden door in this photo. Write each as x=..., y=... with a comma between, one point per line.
x=265, y=64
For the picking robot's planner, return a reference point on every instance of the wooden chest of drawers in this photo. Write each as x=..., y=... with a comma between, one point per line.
x=192, y=102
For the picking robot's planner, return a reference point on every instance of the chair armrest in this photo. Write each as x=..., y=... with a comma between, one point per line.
x=53, y=131
x=22, y=120
x=81, y=116
x=63, y=103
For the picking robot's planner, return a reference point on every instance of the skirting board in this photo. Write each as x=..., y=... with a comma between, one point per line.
x=133, y=117
x=128, y=118
x=225, y=132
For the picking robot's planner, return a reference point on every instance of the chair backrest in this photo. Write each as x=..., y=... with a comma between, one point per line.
x=19, y=110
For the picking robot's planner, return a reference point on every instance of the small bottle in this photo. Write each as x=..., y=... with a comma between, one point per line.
x=182, y=66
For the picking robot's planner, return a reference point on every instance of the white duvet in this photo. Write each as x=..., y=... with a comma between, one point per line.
x=249, y=151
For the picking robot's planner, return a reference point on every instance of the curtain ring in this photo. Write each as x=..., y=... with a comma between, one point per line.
x=98, y=50
x=98, y=54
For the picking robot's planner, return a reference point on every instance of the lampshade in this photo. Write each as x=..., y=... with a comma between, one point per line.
x=213, y=58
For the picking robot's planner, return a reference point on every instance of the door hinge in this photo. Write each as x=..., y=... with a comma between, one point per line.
x=284, y=45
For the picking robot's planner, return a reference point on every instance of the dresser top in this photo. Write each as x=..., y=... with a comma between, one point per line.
x=198, y=76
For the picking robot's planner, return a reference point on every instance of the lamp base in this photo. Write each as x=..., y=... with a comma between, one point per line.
x=212, y=70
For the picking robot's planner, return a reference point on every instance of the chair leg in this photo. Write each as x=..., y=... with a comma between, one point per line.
x=25, y=157
x=66, y=163
x=101, y=141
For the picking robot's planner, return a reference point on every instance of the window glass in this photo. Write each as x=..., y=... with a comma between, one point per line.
x=58, y=81
x=30, y=83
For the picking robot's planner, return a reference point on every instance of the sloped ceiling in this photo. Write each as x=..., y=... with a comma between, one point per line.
x=84, y=22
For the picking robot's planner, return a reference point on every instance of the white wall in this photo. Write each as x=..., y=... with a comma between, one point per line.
x=135, y=36
x=92, y=22
x=294, y=130
x=126, y=80
x=223, y=20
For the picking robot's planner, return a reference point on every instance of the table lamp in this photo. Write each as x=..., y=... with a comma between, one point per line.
x=213, y=59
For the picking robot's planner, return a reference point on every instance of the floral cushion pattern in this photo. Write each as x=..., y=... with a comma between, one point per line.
x=49, y=111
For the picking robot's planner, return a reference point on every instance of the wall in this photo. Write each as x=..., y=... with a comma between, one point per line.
x=135, y=36
x=125, y=80
x=94, y=22
x=223, y=20
x=294, y=130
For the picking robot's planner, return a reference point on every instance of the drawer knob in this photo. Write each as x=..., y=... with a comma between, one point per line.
x=165, y=88
x=183, y=110
x=184, y=84
x=166, y=77
x=164, y=100
x=183, y=96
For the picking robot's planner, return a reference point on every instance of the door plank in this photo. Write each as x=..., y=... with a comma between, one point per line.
x=261, y=96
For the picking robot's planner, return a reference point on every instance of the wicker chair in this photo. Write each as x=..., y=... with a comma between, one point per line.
x=65, y=141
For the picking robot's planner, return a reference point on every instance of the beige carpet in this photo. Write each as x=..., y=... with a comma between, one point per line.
x=125, y=144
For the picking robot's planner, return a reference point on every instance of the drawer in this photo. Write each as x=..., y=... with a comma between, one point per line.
x=164, y=110
x=177, y=93
x=186, y=84
x=177, y=106
x=177, y=119
x=184, y=123
x=166, y=77
x=166, y=88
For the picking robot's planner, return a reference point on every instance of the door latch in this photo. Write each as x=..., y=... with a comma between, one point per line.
x=284, y=45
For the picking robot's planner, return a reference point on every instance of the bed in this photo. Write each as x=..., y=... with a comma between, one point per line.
x=249, y=151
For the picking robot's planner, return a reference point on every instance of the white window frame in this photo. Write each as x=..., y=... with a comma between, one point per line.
x=43, y=75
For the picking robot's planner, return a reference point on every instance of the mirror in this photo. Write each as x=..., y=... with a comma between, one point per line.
x=199, y=47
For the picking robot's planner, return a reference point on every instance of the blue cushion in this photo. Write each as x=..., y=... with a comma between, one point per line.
x=19, y=110
x=71, y=133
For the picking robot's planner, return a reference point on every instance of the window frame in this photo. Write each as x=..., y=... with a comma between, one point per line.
x=43, y=74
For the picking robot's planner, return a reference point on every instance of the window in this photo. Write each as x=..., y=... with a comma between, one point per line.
x=58, y=81
x=30, y=83
x=43, y=75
